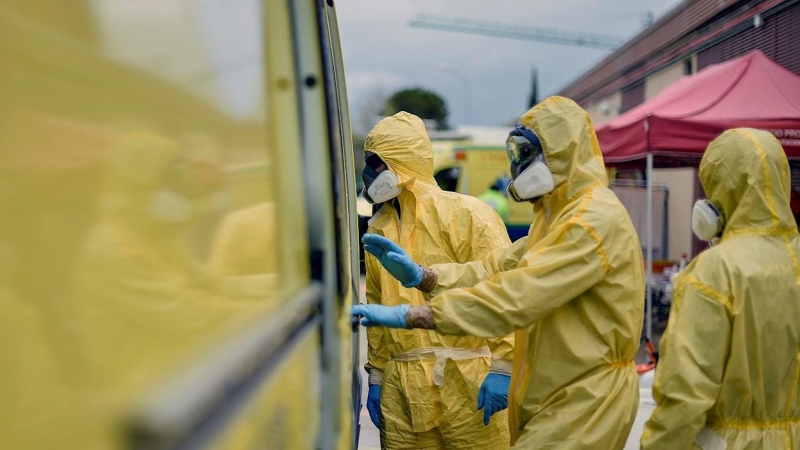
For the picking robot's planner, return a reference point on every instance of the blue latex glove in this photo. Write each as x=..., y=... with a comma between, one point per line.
x=381, y=316
x=394, y=259
x=493, y=396
x=374, y=404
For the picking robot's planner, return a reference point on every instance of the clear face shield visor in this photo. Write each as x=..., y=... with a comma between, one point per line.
x=521, y=152
x=531, y=176
x=522, y=148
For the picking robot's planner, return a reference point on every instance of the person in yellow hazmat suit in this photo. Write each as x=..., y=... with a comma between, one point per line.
x=573, y=290
x=729, y=372
x=425, y=388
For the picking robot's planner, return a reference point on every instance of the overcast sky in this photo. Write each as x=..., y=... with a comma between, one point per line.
x=383, y=54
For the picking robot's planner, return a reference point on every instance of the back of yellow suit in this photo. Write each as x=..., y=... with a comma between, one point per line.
x=729, y=370
x=420, y=409
x=574, y=288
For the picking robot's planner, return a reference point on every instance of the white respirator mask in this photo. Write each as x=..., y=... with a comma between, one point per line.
x=535, y=181
x=707, y=221
x=383, y=188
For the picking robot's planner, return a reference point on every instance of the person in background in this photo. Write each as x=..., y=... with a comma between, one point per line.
x=427, y=390
x=495, y=196
x=573, y=290
x=729, y=370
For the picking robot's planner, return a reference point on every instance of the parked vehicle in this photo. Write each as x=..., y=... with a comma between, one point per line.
x=178, y=221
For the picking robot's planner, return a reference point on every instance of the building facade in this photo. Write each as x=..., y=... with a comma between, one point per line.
x=693, y=35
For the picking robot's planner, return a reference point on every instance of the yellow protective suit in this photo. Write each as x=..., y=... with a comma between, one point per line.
x=574, y=288
x=435, y=226
x=729, y=370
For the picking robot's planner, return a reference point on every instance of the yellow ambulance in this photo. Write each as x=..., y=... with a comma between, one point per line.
x=177, y=226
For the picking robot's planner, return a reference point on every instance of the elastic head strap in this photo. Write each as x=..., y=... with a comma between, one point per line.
x=528, y=134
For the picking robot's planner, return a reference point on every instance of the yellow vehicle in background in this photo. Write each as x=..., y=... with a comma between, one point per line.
x=471, y=167
x=446, y=169
x=468, y=160
x=178, y=223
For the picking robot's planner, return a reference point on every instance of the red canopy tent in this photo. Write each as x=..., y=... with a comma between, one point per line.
x=674, y=128
x=750, y=91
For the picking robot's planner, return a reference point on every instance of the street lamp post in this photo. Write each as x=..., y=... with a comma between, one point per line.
x=444, y=67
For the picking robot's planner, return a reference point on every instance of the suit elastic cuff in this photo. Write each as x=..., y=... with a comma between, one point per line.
x=375, y=376
x=429, y=280
x=502, y=365
x=420, y=317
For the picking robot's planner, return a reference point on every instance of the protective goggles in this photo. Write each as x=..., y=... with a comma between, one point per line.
x=522, y=145
x=373, y=160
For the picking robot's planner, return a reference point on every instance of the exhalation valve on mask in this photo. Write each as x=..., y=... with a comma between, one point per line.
x=535, y=181
x=383, y=188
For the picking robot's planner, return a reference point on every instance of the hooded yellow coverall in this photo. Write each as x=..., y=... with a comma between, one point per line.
x=420, y=410
x=729, y=370
x=574, y=290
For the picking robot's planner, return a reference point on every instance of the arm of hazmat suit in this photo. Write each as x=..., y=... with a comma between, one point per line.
x=454, y=275
x=558, y=268
x=694, y=350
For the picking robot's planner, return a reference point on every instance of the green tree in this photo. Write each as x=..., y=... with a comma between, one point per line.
x=421, y=102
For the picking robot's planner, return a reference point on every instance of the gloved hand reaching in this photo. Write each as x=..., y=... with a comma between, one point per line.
x=394, y=259
x=493, y=396
x=382, y=316
x=374, y=404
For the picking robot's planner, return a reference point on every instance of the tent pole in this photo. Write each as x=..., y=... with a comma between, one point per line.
x=649, y=278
